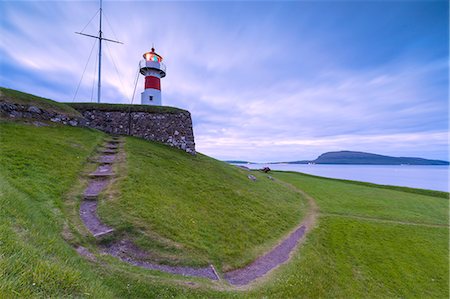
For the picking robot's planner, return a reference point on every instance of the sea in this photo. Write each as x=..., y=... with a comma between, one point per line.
x=432, y=177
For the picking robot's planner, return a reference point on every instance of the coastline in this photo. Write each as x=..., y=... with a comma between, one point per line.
x=424, y=177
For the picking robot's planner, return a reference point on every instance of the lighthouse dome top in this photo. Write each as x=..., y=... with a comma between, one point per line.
x=152, y=56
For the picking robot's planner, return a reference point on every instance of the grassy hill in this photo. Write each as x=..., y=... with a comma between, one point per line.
x=211, y=208
x=22, y=98
x=37, y=167
x=370, y=240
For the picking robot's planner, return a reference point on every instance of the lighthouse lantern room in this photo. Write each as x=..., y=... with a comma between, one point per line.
x=153, y=69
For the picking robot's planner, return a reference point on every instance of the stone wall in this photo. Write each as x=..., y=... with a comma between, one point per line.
x=172, y=128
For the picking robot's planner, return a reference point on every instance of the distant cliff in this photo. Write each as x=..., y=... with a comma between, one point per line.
x=349, y=157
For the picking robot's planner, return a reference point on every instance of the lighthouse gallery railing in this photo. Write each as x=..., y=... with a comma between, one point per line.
x=151, y=64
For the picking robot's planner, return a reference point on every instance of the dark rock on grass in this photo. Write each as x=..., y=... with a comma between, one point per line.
x=265, y=169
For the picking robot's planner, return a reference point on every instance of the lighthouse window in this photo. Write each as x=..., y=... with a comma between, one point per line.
x=151, y=98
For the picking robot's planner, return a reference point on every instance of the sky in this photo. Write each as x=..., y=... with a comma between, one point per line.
x=264, y=81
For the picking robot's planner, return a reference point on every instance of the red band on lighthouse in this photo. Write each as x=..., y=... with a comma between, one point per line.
x=152, y=82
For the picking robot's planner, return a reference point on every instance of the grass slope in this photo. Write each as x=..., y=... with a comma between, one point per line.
x=18, y=97
x=211, y=209
x=37, y=166
x=342, y=257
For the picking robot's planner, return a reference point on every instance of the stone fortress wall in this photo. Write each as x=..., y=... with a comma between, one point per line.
x=170, y=126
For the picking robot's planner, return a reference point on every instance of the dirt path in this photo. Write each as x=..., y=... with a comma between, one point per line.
x=98, y=181
x=128, y=252
x=281, y=253
x=123, y=249
x=88, y=213
x=267, y=262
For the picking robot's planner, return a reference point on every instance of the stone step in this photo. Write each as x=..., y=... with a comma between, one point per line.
x=104, y=233
x=108, y=151
x=102, y=171
x=94, y=188
x=116, y=141
x=111, y=145
x=88, y=214
x=106, y=159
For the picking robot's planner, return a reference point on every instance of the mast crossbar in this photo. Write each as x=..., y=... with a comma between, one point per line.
x=100, y=39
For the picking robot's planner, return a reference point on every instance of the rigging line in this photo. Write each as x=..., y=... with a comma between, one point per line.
x=115, y=66
x=85, y=67
x=90, y=20
x=135, y=83
x=93, y=80
x=110, y=27
x=132, y=99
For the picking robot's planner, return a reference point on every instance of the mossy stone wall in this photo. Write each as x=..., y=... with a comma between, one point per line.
x=172, y=128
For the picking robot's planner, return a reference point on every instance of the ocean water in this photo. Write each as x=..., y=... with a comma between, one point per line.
x=416, y=176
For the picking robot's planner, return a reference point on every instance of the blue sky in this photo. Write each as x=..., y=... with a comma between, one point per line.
x=264, y=81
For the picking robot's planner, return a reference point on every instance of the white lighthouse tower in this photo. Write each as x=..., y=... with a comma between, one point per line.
x=153, y=69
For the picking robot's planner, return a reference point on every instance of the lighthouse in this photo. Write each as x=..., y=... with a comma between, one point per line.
x=153, y=69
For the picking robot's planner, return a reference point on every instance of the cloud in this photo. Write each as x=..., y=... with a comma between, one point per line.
x=261, y=82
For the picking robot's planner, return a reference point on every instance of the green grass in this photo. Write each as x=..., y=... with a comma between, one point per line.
x=343, y=257
x=209, y=207
x=348, y=198
x=37, y=166
x=348, y=258
x=22, y=98
x=353, y=258
x=125, y=108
